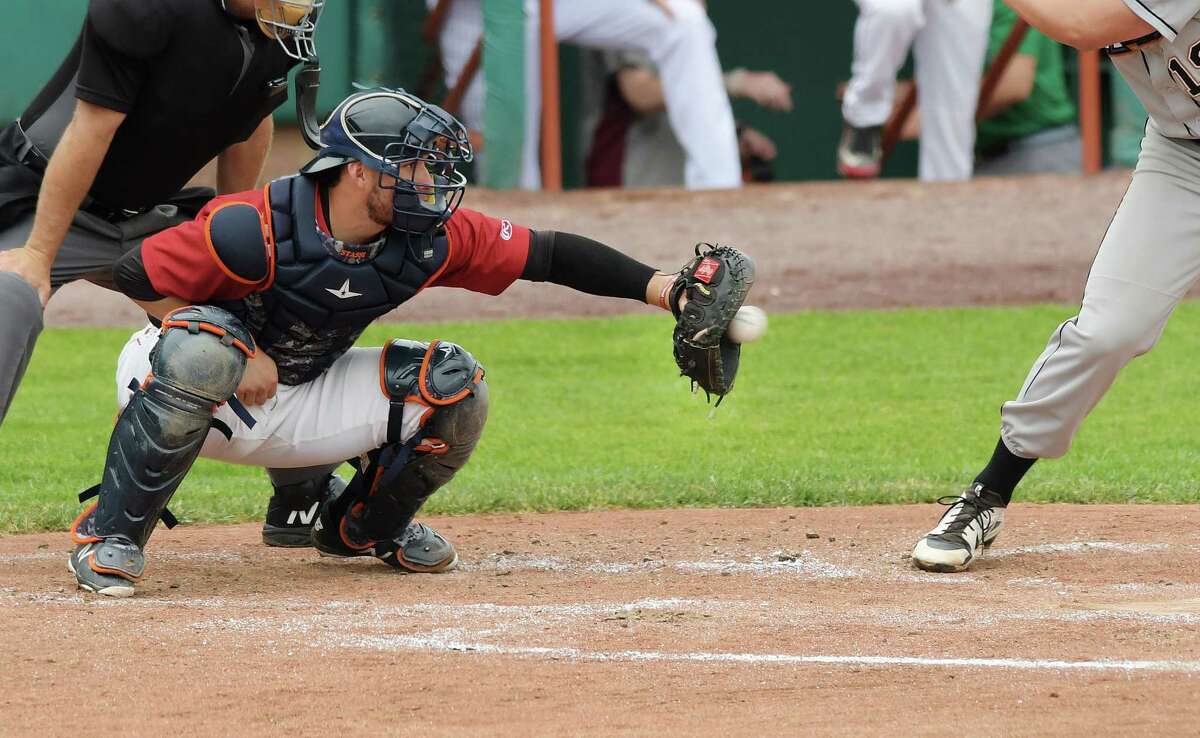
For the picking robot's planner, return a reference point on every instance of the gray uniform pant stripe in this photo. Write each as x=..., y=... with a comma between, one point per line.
x=1149, y=259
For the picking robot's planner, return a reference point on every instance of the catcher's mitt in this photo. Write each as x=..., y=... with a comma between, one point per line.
x=715, y=283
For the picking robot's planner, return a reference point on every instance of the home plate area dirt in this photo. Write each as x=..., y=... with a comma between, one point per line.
x=1080, y=621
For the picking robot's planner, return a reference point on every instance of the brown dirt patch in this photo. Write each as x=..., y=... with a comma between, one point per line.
x=1082, y=621
x=818, y=245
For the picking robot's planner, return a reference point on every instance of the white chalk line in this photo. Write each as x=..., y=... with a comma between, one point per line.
x=332, y=624
x=1077, y=547
x=422, y=643
x=804, y=564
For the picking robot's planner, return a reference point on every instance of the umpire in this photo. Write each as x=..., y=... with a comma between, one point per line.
x=151, y=92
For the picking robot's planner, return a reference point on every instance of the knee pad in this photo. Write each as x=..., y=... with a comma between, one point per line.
x=197, y=363
x=202, y=351
x=448, y=381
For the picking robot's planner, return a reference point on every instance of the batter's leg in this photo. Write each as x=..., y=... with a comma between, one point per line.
x=949, y=53
x=883, y=34
x=1148, y=261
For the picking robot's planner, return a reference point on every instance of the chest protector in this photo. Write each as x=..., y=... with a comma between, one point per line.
x=320, y=304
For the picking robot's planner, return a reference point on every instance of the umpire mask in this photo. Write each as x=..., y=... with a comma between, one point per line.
x=290, y=22
x=397, y=135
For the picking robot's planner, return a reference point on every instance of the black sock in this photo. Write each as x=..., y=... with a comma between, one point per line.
x=1004, y=471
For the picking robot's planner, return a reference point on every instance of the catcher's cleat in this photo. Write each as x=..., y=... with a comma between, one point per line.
x=860, y=152
x=971, y=523
x=419, y=550
x=108, y=567
x=292, y=510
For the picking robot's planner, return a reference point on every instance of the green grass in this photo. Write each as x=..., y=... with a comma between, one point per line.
x=831, y=408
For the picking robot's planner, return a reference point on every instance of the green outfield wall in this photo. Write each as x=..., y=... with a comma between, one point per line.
x=378, y=42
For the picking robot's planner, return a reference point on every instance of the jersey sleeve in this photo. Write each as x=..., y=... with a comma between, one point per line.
x=119, y=38
x=1166, y=16
x=181, y=261
x=486, y=254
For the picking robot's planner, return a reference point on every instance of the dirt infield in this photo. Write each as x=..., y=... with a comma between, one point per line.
x=1082, y=621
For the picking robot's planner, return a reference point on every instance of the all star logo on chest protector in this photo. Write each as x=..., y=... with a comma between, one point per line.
x=318, y=304
x=344, y=292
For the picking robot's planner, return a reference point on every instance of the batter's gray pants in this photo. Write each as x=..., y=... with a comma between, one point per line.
x=89, y=251
x=1148, y=260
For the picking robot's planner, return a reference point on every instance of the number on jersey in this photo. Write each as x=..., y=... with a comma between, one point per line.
x=1185, y=78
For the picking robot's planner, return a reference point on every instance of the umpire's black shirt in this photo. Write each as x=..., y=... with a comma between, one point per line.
x=191, y=79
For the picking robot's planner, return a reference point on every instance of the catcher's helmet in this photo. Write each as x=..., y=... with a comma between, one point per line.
x=386, y=129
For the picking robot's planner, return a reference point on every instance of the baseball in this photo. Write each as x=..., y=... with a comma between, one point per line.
x=749, y=324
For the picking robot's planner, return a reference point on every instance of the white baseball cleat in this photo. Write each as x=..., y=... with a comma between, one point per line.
x=971, y=523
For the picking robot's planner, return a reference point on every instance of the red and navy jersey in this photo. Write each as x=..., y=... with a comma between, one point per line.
x=486, y=255
x=268, y=257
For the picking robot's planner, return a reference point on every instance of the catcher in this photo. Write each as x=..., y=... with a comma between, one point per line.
x=262, y=296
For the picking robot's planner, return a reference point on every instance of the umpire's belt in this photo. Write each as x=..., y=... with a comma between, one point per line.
x=107, y=212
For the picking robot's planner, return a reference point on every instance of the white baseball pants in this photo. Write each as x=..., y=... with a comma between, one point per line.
x=683, y=47
x=949, y=40
x=338, y=416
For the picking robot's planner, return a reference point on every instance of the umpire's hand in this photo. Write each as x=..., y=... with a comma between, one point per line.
x=259, y=380
x=31, y=266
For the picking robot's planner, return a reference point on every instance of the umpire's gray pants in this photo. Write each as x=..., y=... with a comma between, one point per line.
x=89, y=251
x=1147, y=261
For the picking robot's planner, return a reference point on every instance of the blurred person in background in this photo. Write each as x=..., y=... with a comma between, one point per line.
x=147, y=96
x=1029, y=123
x=632, y=143
x=948, y=40
x=676, y=35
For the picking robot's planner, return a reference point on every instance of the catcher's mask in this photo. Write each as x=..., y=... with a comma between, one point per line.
x=290, y=22
x=393, y=132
